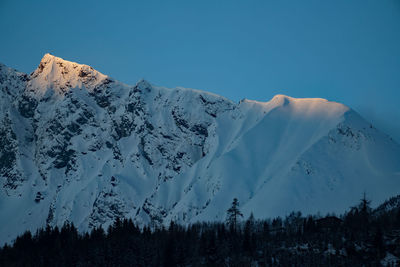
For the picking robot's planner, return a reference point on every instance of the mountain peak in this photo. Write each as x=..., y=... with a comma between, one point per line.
x=62, y=75
x=143, y=84
x=47, y=57
x=281, y=97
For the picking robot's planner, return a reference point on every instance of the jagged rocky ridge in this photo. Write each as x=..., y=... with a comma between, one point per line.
x=79, y=146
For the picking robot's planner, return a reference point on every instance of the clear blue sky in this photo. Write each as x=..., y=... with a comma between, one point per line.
x=345, y=51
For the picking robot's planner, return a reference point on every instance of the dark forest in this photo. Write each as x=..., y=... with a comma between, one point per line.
x=360, y=237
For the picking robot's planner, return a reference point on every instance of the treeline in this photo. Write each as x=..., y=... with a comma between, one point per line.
x=360, y=237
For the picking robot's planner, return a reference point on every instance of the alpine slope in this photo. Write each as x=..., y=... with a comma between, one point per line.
x=78, y=146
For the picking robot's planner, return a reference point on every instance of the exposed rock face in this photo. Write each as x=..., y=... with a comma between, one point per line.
x=78, y=146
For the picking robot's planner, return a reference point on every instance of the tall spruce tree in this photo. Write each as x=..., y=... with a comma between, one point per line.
x=233, y=214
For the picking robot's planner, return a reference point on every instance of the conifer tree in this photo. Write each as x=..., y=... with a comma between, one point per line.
x=233, y=214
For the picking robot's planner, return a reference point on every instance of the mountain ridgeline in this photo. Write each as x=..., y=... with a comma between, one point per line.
x=78, y=146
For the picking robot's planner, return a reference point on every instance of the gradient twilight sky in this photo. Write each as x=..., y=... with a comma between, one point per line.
x=345, y=51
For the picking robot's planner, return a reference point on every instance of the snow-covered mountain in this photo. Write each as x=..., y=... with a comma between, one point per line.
x=79, y=146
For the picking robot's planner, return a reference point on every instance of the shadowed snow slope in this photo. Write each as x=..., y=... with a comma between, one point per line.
x=78, y=146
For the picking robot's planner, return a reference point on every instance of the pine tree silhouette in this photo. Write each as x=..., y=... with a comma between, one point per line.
x=233, y=214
